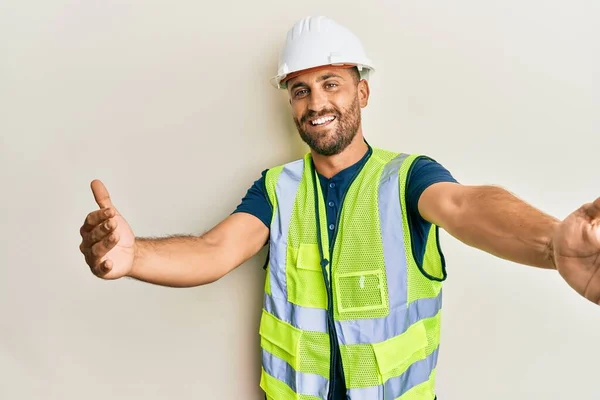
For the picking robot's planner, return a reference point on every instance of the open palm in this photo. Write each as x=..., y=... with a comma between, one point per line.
x=576, y=248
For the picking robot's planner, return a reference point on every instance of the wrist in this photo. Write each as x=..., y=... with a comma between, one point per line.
x=135, y=263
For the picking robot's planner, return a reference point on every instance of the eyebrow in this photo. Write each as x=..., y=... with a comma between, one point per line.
x=319, y=79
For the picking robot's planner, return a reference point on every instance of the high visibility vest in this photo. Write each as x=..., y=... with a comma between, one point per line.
x=366, y=292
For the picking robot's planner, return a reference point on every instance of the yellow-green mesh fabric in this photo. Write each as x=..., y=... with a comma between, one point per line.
x=432, y=327
x=307, y=397
x=268, y=279
x=313, y=351
x=419, y=285
x=433, y=262
x=321, y=199
x=360, y=366
x=305, y=283
x=359, y=281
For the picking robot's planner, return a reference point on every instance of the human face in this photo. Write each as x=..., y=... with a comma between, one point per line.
x=326, y=107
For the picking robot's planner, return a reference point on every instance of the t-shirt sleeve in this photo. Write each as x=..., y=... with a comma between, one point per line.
x=256, y=201
x=425, y=172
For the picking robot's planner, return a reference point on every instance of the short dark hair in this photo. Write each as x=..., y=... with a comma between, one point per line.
x=355, y=74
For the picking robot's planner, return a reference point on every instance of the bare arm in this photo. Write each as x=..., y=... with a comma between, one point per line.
x=493, y=220
x=184, y=261
x=112, y=251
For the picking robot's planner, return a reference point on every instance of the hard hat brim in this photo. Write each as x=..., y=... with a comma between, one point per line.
x=280, y=81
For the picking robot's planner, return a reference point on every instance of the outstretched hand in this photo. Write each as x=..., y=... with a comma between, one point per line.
x=576, y=250
x=108, y=242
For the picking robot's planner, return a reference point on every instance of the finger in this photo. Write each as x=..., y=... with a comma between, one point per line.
x=99, y=250
x=101, y=194
x=85, y=250
x=592, y=210
x=596, y=205
x=98, y=266
x=102, y=268
x=95, y=218
x=99, y=232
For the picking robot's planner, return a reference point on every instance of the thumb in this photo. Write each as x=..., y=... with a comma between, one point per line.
x=596, y=203
x=593, y=209
x=101, y=194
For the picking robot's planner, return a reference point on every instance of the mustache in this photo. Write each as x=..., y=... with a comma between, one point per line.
x=315, y=115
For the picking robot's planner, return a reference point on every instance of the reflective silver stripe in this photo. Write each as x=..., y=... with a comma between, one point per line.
x=397, y=322
x=285, y=189
x=417, y=373
x=392, y=232
x=301, y=383
x=305, y=318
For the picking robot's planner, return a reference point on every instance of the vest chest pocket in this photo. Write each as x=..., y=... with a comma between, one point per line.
x=305, y=282
x=360, y=291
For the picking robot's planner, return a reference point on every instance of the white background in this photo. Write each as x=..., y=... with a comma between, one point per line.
x=168, y=102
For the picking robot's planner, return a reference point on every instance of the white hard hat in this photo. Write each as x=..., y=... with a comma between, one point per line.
x=319, y=41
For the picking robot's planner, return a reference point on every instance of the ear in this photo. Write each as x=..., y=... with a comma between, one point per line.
x=363, y=93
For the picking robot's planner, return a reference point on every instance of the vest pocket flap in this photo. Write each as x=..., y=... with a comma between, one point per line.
x=279, y=333
x=275, y=389
x=401, y=351
x=309, y=257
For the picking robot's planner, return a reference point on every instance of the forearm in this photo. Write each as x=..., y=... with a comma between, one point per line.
x=176, y=261
x=494, y=220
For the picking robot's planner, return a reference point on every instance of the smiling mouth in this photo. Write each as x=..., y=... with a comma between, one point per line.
x=322, y=121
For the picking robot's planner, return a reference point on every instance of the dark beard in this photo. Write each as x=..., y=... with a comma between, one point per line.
x=330, y=143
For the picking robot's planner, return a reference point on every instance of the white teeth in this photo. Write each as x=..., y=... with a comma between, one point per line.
x=323, y=120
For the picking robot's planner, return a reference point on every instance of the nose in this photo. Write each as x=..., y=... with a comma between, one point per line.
x=317, y=101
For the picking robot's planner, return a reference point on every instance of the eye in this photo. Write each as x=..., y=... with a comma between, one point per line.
x=300, y=93
x=331, y=85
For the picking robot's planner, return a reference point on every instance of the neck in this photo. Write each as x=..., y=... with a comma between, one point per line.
x=328, y=166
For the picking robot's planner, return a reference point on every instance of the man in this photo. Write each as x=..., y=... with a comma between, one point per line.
x=352, y=299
